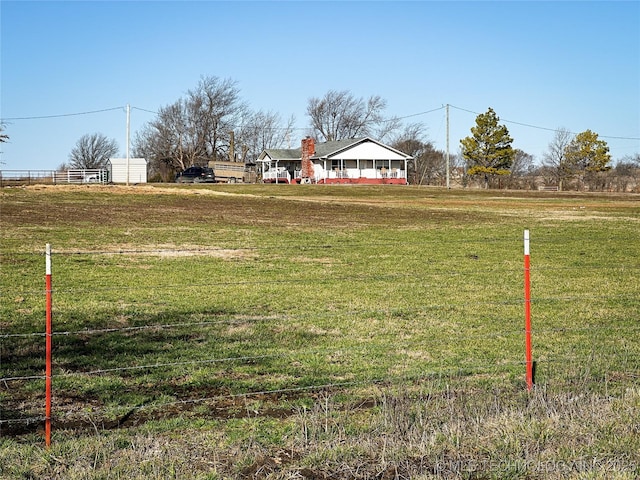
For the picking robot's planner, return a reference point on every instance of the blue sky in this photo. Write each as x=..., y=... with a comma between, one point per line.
x=540, y=65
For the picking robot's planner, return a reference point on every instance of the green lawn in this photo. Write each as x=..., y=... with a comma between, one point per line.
x=252, y=331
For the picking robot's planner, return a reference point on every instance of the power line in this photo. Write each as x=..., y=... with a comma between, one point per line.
x=414, y=114
x=543, y=128
x=40, y=117
x=144, y=110
x=528, y=125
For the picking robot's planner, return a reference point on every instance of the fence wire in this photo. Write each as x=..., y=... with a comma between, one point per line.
x=365, y=382
x=512, y=268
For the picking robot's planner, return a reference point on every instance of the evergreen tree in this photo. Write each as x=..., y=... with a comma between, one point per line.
x=488, y=150
x=586, y=153
x=586, y=156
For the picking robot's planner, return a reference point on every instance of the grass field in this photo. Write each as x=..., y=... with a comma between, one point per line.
x=252, y=331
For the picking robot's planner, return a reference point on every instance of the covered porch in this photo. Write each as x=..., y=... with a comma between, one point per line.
x=356, y=161
x=344, y=171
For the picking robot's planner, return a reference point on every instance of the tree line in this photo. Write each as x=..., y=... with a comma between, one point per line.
x=580, y=161
x=213, y=122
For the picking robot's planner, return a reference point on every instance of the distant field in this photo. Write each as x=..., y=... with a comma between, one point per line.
x=264, y=331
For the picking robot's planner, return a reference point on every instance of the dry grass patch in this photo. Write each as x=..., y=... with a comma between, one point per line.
x=428, y=431
x=164, y=251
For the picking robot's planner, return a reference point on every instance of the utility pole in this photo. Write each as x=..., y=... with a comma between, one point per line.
x=128, y=131
x=232, y=147
x=447, y=153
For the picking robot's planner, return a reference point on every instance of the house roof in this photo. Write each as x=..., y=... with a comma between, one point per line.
x=324, y=150
x=328, y=149
x=282, y=154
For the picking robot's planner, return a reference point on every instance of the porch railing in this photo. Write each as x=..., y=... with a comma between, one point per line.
x=365, y=173
x=276, y=175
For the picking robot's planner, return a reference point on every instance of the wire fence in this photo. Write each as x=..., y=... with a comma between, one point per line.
x=148, y=342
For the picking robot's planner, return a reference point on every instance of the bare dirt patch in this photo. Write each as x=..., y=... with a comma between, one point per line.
x=125, y=190
x=168, y=251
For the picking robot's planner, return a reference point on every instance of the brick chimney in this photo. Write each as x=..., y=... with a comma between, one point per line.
x=308, y=150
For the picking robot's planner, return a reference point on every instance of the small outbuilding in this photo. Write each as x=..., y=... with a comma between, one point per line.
x=121, y=170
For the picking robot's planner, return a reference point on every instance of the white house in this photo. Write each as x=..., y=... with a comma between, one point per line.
x=132, y=171
x=356, y=160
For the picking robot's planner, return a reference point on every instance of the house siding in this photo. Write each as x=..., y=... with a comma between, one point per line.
x=346, y=161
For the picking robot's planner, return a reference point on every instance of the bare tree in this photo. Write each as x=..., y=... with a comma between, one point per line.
x=215, y=109
x=169, y=141
x=428, y=166
x=622, y=176
x=339, y=115
x=263, y=130
x=92, y=151
x=626, y=174
x=555, y=159
x=3, y=137
x=521, y=173
x=194, y=129
x=522, y=163
x=633, y=159
x=386, y=128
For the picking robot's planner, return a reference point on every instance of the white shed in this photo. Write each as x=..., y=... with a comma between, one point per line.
x=117, y=168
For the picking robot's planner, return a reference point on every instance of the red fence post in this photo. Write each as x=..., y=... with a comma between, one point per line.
x=47, y=426
x=527, y=312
